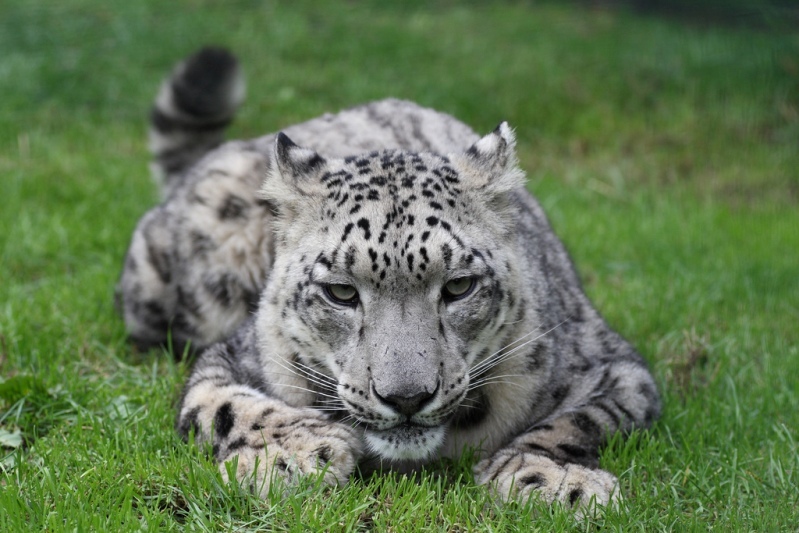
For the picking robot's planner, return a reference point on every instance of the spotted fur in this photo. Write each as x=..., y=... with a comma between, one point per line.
x=407, y=300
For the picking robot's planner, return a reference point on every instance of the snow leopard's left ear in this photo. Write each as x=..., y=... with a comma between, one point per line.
x=294, y=173
x=490, y=165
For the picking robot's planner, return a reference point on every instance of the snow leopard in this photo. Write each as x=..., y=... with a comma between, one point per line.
x=371, y=290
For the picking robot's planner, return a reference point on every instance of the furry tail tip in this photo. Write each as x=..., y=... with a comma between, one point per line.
x=194, y=106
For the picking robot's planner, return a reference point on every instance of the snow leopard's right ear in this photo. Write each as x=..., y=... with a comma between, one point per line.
x=294, y=173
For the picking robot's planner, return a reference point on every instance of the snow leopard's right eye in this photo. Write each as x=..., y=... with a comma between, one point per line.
x=342, y=294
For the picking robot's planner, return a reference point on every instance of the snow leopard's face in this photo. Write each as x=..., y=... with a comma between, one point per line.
x=393, y=280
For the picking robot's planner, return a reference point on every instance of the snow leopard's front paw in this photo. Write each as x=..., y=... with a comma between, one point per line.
x=513, y=474
x=290, y=445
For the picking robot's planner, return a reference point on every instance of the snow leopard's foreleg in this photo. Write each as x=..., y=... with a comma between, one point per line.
x=227, y=403
x=557, y=459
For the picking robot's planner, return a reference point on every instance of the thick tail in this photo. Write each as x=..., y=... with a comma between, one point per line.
x=194, y=106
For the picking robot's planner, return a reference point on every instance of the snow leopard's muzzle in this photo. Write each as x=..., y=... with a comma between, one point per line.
x=407, y=401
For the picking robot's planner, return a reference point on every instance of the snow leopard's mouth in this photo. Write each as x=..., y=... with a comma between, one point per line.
x=405, y=441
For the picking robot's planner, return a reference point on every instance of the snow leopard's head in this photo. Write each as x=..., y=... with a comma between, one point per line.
x=394, y=277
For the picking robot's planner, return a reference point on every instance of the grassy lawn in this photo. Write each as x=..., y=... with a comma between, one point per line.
x=666, y=154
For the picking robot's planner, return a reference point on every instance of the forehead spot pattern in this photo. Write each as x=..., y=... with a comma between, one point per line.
x=400, y=182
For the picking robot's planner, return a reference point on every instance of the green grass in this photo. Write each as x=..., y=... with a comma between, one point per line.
x=666, y=154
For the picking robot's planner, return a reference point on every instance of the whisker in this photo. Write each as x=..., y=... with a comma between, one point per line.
x=503, y=357
x=304, y=375
x=480, y=382
x=493, y=361
x=319, y=375
x=502, y=349
x=497, y=381
x=330, y=404
x=336, y=401
x=505, y=350
x=303, y=388
x=294, y=375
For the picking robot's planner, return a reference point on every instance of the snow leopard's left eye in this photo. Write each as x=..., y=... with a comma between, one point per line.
x=458, y=288
x=342, y=294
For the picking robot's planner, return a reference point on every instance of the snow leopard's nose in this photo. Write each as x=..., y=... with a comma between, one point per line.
x=406, y=403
